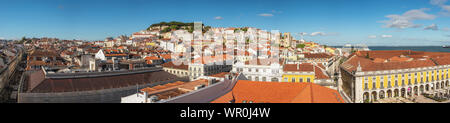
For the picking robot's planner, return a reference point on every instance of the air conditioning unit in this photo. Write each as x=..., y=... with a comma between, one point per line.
x=199, y=86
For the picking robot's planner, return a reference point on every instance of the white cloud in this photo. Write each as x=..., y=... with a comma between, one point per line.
x=386, y=36
x=303, y=33
x=218, y=18
x=266, y=15
x=406, y=19
x=445, y=10
x=441, y=3
x=372, y=36
x=317, y=34
x=437, y=2
x=445, y=29
x=431, y=27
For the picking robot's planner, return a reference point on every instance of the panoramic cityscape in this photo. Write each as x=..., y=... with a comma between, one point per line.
x=200, y=51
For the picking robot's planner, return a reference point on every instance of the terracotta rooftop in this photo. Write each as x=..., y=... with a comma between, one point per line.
x=37, y=83
x=166, y=56
x=319, y=73
x=173, y=66
x=111, y=55
x=273, y=92
x=152, y=58
x=442, y=60
x=317, y=55
x=173, y=89
x=395, y=60
x=46, y=53
x=220, y=75
x=304, y=67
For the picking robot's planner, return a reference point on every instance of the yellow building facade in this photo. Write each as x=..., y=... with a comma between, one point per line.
x=298, y=78
x=413, y=78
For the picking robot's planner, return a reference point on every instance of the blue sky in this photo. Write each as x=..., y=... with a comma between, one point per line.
x=372, y=22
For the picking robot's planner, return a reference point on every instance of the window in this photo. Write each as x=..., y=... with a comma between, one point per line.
x=374, y=86
x=286, y=79
x=396, y=83
x=274, y=71
x=293, y=79
x=366, y=86
x=308, y=79
x=300, y=79
x=389, y=83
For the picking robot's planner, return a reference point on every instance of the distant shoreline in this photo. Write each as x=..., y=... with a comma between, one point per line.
x=414, y=48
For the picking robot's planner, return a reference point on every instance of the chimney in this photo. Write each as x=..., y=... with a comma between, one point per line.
x=359, y=69
x=145, y=96
x=227, y=76
x=113, y=62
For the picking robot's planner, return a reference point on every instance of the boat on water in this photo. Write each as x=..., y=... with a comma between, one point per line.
x=445, y=46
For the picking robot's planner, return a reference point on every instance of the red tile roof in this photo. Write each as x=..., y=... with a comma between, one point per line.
x=304, y=67
x=317, y=55
x=173, y=66
x=111, y=55
x=39, y=84
x=220, y=75
x=319, y=73
x=274, y=92
x=166, y=56
x=152, y=58
x=442, y=60
x=396, y=60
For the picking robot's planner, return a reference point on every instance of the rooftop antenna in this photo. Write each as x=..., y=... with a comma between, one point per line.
x=137, y=88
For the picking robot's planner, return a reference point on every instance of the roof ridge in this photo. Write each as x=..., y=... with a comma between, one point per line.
x=312, y=95
x=434, y=61
x=300, y=93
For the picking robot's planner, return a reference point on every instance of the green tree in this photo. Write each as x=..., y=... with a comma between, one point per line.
x=301, y=45
x=245, y=29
